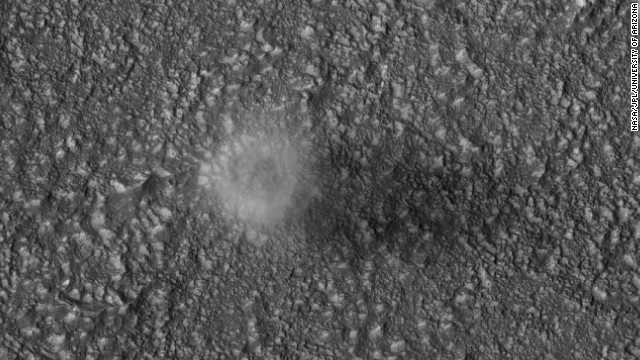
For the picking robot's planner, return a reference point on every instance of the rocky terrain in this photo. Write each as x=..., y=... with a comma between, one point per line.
x=321, y=179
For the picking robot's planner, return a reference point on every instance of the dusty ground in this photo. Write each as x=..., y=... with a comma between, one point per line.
x=413, y=179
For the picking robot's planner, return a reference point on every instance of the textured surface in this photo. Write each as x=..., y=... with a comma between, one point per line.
x=415, y=179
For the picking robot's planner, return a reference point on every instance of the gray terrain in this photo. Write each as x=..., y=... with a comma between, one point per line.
x=321, y=179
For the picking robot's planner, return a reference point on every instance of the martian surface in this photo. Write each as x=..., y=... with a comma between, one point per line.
x=318, y=179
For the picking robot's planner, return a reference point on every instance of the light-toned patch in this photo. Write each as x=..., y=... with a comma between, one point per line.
x=254, y=178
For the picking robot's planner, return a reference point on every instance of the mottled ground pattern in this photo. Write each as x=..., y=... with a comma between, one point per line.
x=407, y=179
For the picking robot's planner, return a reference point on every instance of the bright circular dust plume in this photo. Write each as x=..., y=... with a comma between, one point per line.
x=255, y=178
